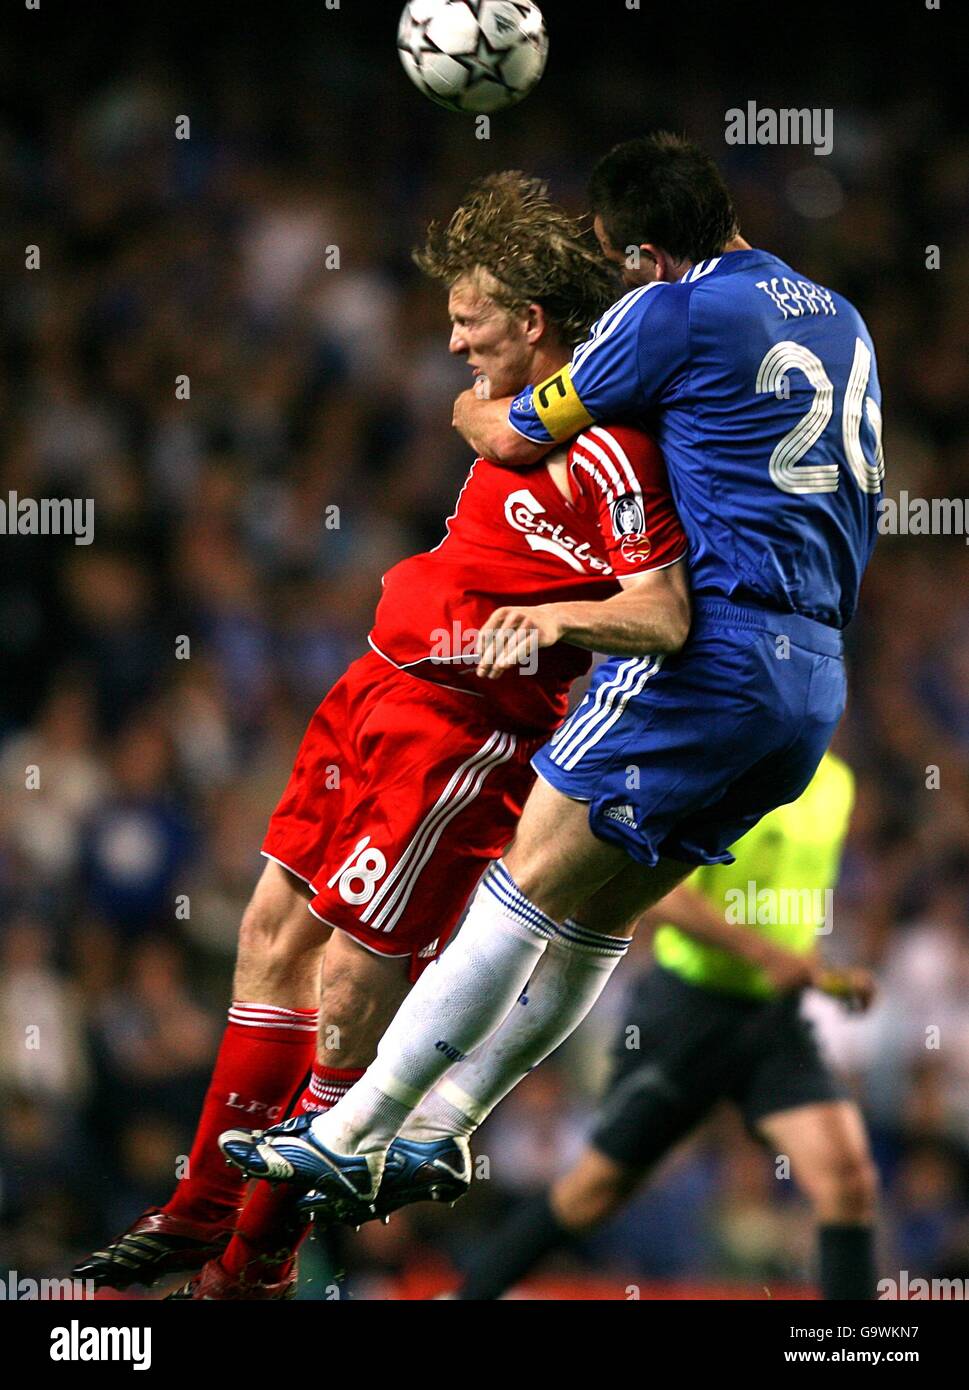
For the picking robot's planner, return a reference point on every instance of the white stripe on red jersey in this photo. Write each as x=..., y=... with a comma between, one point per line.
x=515, y=539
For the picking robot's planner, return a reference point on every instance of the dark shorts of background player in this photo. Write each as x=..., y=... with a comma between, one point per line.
x=698, y=1047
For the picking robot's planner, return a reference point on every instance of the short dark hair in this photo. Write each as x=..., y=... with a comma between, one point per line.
x=663, y=189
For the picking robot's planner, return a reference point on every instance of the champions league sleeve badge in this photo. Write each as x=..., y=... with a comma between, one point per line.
x=629, y=524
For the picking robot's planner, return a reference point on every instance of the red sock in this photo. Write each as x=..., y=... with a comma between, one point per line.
x=264, y=1056
x=270, y=1228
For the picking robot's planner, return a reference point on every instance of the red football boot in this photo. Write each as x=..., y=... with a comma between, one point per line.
x=155, y=1244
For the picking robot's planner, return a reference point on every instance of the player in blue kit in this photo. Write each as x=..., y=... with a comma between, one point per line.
x=760, y=386
x=762, y=390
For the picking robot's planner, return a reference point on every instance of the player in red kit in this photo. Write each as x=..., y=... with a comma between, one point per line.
x=435, y=762
x=413, y=772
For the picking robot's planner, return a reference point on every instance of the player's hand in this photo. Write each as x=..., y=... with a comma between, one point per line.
x=854, y=986
x=511, y=637
x=463, y=408
x=785, y=971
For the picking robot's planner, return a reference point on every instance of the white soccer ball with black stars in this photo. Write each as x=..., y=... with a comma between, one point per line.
x=473, y=55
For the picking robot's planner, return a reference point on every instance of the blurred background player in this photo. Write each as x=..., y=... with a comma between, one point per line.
x=413, y=771
x=709, y=1023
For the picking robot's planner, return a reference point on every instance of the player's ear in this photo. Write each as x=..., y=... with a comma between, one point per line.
x=667, y=267
x=652, y=257
x=536, y=323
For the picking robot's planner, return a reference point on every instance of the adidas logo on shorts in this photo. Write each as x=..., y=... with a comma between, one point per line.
x=623, y=815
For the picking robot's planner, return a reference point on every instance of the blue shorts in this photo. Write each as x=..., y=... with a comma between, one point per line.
x=679, y=756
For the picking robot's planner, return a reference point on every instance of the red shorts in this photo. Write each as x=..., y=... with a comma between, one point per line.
x=401, y=794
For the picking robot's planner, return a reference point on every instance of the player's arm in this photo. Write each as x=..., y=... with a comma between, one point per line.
x=620, y=475
x=636, y=354
x=693, y=914
x=484, y=424
x=651, y=615
x=687, y=908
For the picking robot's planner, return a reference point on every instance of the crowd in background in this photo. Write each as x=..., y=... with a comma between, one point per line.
x=155, y=683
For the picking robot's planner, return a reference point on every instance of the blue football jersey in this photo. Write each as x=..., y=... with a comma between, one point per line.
x=762, y=390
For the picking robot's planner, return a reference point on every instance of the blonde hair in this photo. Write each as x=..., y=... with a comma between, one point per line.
x=532, y=250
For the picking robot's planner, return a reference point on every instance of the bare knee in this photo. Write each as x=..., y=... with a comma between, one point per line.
x=828, y=1148
x=280, y=943
x=593, y=1192
x=846, y=1190
x=360, y=993
x=554, y=858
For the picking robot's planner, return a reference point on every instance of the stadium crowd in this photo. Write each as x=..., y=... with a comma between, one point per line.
x=226, y=347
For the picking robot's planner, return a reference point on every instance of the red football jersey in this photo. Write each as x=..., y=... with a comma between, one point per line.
x=514, y=538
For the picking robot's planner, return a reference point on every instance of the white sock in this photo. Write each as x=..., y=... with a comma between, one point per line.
x=570, y=977
x=455, y=1005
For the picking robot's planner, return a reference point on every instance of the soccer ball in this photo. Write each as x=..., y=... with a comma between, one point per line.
x=473, y=55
